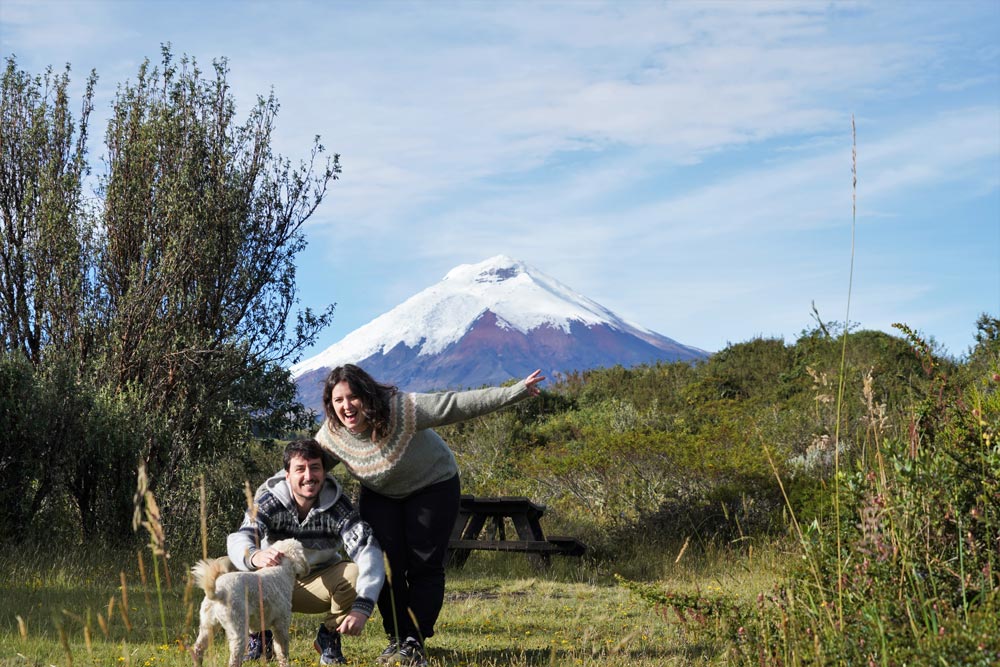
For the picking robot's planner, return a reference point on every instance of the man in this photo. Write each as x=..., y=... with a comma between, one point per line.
x=305, y=503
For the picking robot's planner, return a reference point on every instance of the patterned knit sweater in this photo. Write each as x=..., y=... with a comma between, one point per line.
x=331, y=532
x=412, y=456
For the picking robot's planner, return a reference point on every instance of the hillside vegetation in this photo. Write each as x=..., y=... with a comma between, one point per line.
x=871, y=457
x=677, y=450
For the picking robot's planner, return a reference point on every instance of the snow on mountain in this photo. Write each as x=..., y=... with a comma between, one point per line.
x=484, y=323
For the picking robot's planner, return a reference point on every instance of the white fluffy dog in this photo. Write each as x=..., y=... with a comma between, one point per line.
x=234, y=600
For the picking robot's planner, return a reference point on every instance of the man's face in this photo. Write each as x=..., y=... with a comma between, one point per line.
x=305, y=479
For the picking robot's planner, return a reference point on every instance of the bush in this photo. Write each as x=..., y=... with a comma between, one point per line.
x=909, y=573
x=67, y=467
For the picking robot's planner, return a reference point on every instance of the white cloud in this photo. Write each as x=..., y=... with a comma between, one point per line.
x=695, y=149
x=426, y=121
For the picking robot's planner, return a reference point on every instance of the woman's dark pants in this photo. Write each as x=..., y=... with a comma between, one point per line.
x=414, y=533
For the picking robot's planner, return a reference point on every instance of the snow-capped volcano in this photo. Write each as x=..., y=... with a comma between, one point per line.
x=486, y=323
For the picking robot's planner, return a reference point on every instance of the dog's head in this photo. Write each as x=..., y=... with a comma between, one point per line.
x=294, y=554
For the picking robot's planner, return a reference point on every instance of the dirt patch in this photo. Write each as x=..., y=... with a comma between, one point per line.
x=480, y=595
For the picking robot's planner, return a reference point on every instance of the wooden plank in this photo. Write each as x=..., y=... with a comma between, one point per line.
x=528, y=527
x=505, y=545
x=569, y=546
x=505, y=505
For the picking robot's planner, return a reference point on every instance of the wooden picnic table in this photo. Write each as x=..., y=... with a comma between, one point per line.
x=474, y=513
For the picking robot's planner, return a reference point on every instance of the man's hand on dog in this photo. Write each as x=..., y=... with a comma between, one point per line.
x=355, y=621
x=266, y=558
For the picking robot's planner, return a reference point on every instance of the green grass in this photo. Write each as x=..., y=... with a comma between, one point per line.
x=499, y=610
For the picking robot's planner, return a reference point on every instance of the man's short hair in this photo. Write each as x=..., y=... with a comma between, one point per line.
x=308, y=449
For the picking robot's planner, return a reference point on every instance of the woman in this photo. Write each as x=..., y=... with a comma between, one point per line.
x=409, y=486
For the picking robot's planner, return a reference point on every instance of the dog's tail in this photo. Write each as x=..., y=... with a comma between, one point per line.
x=207, y=571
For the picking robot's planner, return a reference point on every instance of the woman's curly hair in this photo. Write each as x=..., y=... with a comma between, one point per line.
x=374, y=396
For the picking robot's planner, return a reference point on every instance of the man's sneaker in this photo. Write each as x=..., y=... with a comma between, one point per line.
x=387, y=655
x=328, y=644
x=256, y=647
x=411, y=653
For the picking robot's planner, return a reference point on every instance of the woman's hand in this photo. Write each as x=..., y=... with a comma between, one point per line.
x=533, y=380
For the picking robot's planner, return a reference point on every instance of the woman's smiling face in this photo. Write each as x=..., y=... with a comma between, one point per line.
x=348, y=407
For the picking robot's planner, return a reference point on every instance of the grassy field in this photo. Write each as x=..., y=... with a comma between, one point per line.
x=499, y=610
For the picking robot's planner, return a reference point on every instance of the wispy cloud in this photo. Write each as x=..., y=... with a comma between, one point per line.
x=687, y=164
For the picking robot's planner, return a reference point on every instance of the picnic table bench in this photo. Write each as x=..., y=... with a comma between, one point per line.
x=523, y=514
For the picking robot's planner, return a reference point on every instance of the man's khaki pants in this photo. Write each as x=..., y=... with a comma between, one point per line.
x=330, y=591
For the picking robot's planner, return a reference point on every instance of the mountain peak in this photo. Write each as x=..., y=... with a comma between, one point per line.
x=493, y=270
x=502, y=313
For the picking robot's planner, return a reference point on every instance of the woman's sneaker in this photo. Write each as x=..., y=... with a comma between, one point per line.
x=386, y=657
x=411, y=653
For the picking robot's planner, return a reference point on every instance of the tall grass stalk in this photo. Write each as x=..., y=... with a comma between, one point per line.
x=64, y=641
x=203, y=515
x=166, y=565
x=252, y=513
x=142, y=577
x=86, y=635
x=123, y=611
x=124, y=588
x=680, y=554
x=159, y=596
x=843, y=378
x=189, y=605
x=392, y=595
x=413, y=618
x=147, y=514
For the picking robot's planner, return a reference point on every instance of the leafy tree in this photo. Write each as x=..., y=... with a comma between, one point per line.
x=46, y=288
x=202, y=224
x=985, y=354
x=44, y=235
x=154, y=323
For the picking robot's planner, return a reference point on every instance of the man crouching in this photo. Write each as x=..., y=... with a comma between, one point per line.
x=304, y=503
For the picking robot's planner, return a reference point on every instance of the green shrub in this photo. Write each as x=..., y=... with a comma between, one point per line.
x=909, y=574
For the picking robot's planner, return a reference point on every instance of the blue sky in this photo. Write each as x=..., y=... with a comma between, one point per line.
x=685, y=164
